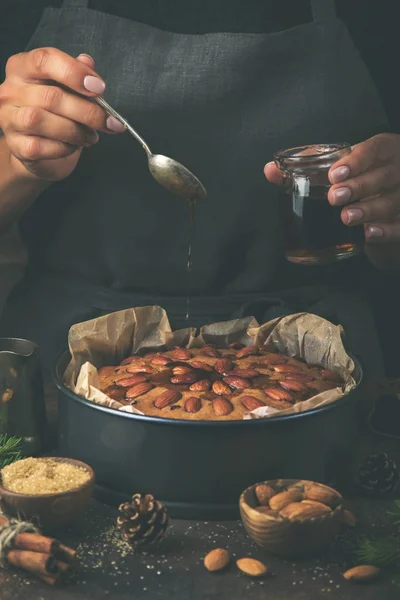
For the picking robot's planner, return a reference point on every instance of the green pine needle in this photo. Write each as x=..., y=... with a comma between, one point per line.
x=396, y=512
x=10, y=450
x=383, y=552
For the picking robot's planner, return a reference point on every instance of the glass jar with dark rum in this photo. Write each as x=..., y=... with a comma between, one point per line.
x=314, y=231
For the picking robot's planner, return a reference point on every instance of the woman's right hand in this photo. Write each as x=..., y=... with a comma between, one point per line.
x=46, y=113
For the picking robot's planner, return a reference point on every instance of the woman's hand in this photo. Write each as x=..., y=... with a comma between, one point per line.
x=367, y=184
x=46, y=114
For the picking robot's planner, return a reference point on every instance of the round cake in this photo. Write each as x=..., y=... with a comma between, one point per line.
x=211, y=384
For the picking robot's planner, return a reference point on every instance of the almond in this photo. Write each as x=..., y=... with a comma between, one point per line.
x=321, y=493
x=137, y=369
x=222, y=407
x=247, y=351
x=302, y=511
x=331, y=376
x=286, y=368
x=237, y=383
x=223, y=365
x=209, y=350
x=292, y=386
x=246, y=373
x=181, y=369
x=180, y=354
x=167, y=398
x=317, y=505
x=282, y=499
x=130, y=359
x=184, y=378
x=198, y=364
x=130, y=381
x=200, y=386
x=161, y=361
x=278, y=394
x=273, y=359
x=348, y=518
x=362, y=573
x=193, y=404
x=252, y=567
x=264, y=493
x=299, y=376
x=251, y=403
x=217, y=559
x=221, y=388
x=138, y=390
x=264, y=510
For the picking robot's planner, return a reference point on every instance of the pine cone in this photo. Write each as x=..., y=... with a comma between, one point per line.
x=143, y=520
x=378, y=475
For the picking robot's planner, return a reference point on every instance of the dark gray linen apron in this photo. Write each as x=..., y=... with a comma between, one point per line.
x=109, y=237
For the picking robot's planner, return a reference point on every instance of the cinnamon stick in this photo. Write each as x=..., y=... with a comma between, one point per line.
x=34, y=542
x=64, y=553
x=33, y=562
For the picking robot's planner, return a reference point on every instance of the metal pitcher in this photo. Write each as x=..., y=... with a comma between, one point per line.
x=22, y=406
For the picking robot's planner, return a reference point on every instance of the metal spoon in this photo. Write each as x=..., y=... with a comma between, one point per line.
x=167, y=172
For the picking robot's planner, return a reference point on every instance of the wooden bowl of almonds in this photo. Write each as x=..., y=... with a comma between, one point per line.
x=291, y=517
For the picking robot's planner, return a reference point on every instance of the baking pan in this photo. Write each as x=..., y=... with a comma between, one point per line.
x=199, y=468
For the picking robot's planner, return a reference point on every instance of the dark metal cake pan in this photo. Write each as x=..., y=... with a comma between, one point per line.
x=199, y=468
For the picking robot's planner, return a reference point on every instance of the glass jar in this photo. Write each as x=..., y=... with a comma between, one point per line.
x=314, y=231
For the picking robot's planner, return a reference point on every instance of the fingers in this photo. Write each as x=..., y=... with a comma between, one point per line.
x=383, y=232
x=272, y=173
x=31, y=120
x=44, y=64
x=372, y=153
x=365, y=185
x=86, y=60
x=384, y=207
x=65, y=104
x=34, y=148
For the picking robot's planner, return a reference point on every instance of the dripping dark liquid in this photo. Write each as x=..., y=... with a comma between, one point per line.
x=314, y=231
x=192, y=206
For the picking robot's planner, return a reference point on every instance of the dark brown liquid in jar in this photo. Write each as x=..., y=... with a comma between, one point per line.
x=314, y=231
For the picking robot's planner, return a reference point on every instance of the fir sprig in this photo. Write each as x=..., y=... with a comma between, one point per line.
x=10, y=450
x=383, y=552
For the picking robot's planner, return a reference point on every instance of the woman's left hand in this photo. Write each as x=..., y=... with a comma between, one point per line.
x=367, y=184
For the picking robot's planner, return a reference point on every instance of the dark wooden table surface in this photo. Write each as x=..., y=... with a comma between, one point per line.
x=111, y=570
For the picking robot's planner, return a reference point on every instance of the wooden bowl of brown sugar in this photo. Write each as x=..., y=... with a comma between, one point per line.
x=52, y=491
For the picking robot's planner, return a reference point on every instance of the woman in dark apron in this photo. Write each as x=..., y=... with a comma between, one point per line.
x=108, y=237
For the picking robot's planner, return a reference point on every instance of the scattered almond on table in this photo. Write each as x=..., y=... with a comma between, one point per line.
x=252, y=567
x=362, y=574
x=217, y=560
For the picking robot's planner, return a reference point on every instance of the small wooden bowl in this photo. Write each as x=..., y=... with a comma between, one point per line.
x=284, y=537
x=50, y=510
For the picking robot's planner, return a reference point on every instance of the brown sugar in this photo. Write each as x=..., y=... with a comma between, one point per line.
x=38, y=476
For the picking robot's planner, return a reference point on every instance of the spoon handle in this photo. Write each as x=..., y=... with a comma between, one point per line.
x=113, y=113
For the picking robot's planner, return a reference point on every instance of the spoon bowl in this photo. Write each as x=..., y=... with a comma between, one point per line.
x=168, y=172
x=175, y=177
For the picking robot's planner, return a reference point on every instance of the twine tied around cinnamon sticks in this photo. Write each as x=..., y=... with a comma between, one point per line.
x=22, y=546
